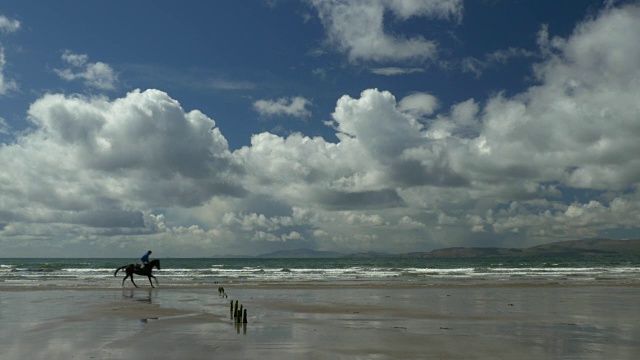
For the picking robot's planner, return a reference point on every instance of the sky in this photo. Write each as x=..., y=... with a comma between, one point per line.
x=214, y=128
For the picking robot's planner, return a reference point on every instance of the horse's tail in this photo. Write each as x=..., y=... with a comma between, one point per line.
x=118, y=269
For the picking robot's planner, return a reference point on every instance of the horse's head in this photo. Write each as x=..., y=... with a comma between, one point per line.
x=155, y=263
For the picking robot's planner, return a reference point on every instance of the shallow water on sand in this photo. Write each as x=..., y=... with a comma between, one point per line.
x=315, y=322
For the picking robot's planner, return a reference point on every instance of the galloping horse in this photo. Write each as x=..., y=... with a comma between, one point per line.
x=145, y=271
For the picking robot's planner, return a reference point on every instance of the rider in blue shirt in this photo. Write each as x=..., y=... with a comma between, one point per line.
x=144, y=260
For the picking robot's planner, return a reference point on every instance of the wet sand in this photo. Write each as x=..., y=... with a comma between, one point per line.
x=323, y=322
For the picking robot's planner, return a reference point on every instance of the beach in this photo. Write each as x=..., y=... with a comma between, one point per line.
x=323, y=322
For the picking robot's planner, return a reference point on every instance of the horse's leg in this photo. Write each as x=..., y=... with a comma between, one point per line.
x=134, y=284
x=150, y=282
x=154, y=278
x=128, y=275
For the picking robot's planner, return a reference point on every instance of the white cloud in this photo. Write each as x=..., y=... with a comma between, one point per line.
x=375, y=122
x=96, y=75
x=402, y=175
x=76, y=60
x=576, y=128
x=407, y=221
x=393, y=71
x=91, y=164
x=498, y=57
x=579, y=125
x=4, y=127
x=230, y=85
x=5, y=84
x=473, y=65
x=294, y=107
x=357, y=27
x=8, y=25
x=419, y=104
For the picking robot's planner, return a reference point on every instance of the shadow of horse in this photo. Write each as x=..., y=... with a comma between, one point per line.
x=146, y=271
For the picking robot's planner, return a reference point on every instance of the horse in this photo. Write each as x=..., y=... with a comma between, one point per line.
x=145, y=271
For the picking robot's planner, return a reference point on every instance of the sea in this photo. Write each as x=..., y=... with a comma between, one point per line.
x=212, y=272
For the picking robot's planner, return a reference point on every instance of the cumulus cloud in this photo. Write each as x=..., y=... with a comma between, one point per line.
x=578, y=126
x=575, y=129
x=419, y=104
x=294, y=107
x=97, y=75
x=357, y=27
x=90, y=163
x=403, y=173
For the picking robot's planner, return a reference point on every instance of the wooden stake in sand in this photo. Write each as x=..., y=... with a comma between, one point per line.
x=239, y=315
x=235, y=309
x=244, y=319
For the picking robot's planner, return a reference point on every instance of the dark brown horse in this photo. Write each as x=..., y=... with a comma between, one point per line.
x=145, y=271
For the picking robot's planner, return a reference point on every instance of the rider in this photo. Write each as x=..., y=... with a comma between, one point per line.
x=144, y=260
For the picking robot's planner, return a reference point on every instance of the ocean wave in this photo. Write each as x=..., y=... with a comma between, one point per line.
x=210, y=271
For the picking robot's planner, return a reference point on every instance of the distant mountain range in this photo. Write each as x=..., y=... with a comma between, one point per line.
x=587, y=247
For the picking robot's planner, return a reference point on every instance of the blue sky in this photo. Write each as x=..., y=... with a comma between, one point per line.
x=244, y=127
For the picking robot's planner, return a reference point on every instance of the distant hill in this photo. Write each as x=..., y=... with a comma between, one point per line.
x=368, y=255
x=587, y=247
x=464, y=252
x=231, y=256
x=591, y=247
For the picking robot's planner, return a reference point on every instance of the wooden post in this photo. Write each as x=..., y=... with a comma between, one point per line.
x=244, y=319
x=238, y=316
x=235, y=309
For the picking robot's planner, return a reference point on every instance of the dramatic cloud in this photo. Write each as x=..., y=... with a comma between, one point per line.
x=96, y=75
x=294, y=107
x=357, y=27
x=503, y=167
x=579, y=126
x=94, y=163
x=399, y=175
